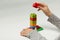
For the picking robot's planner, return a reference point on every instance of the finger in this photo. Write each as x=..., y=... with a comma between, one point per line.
x=39, y=9
x=43, y=4
x=21, y=33
x=25, y=29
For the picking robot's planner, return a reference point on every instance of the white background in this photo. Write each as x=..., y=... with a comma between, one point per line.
x=14, y=17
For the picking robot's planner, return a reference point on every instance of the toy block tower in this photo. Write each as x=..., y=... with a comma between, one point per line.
x=33, y=22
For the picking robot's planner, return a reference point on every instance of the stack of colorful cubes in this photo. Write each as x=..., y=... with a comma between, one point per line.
x=33, y=22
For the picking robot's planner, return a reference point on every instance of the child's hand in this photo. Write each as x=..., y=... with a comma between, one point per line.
x=26, y=31
x=45, y=9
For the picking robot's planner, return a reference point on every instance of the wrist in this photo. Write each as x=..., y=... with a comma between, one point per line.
x=48, y=14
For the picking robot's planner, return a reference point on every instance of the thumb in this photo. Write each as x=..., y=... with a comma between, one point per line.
x=41, y=8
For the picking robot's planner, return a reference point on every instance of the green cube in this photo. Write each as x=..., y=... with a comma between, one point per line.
x=40, y=29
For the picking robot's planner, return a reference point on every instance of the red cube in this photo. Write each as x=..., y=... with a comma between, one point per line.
x=37, y=26
x=36, y=5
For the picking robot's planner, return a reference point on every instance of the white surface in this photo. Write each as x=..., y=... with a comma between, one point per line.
x=14, y=17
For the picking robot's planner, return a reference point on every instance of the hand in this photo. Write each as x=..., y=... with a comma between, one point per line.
x=26, y=31
x=45, y=9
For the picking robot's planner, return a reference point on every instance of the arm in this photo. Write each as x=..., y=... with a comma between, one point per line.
x=54, y=20
x=34, y=35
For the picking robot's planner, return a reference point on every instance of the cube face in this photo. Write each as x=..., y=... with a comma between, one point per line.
x=33, y=19
x=40, y=29
x=36, y=5
x=37, y=26
x=32, y=27
x=33, y=15
x=32, y=22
